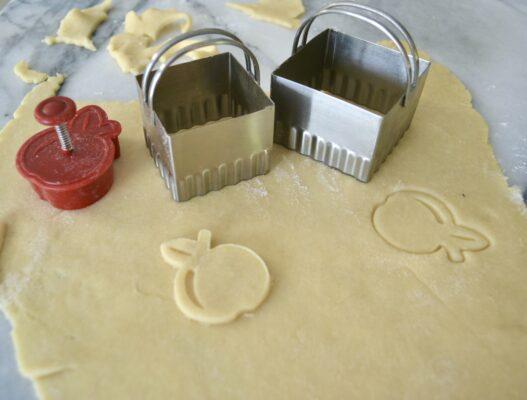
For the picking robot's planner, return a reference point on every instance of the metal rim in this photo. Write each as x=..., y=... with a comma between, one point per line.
x=145, y=82
x=387, y=17
x=215, y=41
x=411, y=66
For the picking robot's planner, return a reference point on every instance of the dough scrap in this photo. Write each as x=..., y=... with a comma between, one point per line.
x=134, y=48
x=214, y=286
x=280, y=12
x=28, y=75
x=349, y=316
x=78, y=26
x=154, y=22
x=133, y=53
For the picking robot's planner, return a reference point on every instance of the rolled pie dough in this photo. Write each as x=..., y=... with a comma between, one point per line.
x=280, y=12
x=3, y=230
x=40, y=92
x=134, y=48
x=348, y=314
x=28, y=75
x=78, y=26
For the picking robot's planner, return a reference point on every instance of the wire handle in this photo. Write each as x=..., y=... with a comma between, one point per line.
x=149, y=83
x=411, y=60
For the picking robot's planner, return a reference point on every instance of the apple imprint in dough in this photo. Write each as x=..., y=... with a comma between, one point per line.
x=215, y=285
x=419, y=223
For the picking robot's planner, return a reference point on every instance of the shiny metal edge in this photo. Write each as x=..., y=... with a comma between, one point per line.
x=327, y=152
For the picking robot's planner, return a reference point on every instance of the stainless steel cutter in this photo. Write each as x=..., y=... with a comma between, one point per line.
x=207, y=122
x=345, y=101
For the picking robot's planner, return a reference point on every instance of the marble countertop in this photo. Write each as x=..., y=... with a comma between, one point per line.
x=483, y=42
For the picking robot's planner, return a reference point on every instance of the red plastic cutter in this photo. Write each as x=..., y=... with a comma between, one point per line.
x=70, y=165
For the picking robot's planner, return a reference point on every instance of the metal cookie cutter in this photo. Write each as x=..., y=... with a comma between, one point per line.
x=345, y=101
x=207, y=122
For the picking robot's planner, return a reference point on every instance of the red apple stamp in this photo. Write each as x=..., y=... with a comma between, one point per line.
x=70, y=165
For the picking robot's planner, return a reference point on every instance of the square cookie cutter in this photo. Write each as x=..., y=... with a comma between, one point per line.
x=345, y=101
x=207, y=123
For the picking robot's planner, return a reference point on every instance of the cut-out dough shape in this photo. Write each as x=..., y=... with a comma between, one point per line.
x=134, y=48
x=78, y=26
x=154, y=22
x=133, y=53
x=417, y=222
x=214, y=286
x=280, y=12
x=28, y=75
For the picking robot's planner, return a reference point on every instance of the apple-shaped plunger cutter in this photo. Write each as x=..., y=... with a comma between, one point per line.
x=70, y=165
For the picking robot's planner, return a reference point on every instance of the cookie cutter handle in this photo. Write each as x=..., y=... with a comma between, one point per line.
x=411, y=61
x=147, y=75
x=387, y=18
x=210, y=42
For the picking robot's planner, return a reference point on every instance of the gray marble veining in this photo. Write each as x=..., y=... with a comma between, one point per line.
x=483, y=42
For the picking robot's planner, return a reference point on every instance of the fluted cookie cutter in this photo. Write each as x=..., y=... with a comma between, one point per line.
x=207, y=122
x=345, y=101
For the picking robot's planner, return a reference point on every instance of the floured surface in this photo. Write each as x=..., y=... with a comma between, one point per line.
x=281, y=12
x=348, y=315
x=78, y=26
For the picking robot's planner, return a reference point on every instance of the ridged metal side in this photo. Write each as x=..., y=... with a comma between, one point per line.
x=354, y=89
x=201, y=111
x=229, y=173
x=325, y=151
x=215, y=178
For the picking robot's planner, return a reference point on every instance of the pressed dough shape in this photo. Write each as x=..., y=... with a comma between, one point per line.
x=28, y=75
x=134, y=48
x=280, y=12
x=348, y=316
x=419, y=223
x=78, y=26
x=214, y=286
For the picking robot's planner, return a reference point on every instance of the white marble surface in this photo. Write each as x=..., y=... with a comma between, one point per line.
x=482, y=41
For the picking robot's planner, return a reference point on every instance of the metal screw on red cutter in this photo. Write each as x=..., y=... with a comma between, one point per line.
x=57, y=111
x=71, y=164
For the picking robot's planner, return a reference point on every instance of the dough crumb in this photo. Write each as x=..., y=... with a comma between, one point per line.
x=28, y=75
x=134, y=48
x=281, y=12
x=78, y=26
